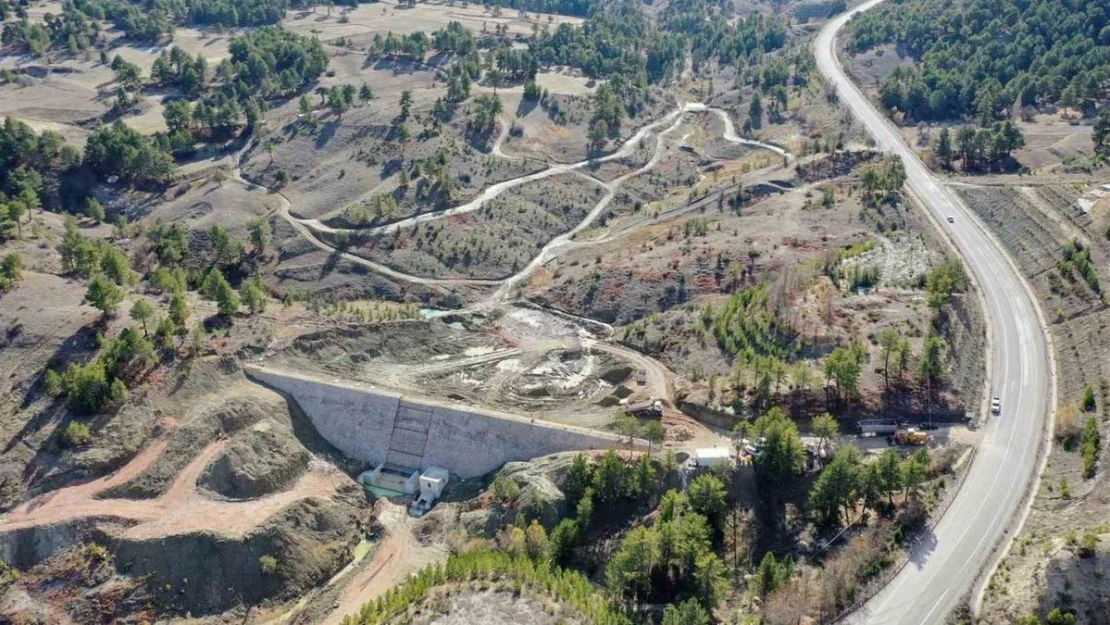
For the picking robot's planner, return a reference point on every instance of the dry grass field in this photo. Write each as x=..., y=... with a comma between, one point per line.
x=358, y=25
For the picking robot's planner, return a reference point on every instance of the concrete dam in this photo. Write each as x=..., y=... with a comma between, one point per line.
x=377, y=426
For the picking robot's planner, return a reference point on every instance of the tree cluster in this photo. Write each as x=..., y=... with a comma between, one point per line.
x=746, y=326
x=454, y=39
x=72, y=30
x=1100, y=135
x=34, y=168
x=846, y=481
x=976, y=59
x=482, y=118
x=979, y=149
x=265, y=63
x=88, y=258
x=608, y=43
x=146, y=24
x=1078, y=257
x=103, y=382
x=782, y=454
x=673, y=559
x=944, y=281
x=589, y=489
x=714, y=33
x=843, y=366
x=272, y=62
x=578, y=8
x=121, y=152
x=488, y=565
x=176, y=69
x=413, y=46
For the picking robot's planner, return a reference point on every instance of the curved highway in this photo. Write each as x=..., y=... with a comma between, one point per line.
x=944, y=566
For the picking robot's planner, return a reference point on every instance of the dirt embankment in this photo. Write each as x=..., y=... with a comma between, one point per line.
x=209, y=423
x=197, y=573
x=206, y=574
x=260, y=462
x=227, y=507
x=464, y=606
x=346, y=350
x=257, y=424
x=1059, y=558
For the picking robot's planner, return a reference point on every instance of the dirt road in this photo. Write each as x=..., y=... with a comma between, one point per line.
x=180, y=510
x=308, y=228
x=398, y=557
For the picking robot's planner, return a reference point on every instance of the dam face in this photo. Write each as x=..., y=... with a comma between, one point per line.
x=376, y=426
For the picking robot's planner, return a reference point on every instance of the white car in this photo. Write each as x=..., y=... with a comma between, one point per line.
x=996, y=406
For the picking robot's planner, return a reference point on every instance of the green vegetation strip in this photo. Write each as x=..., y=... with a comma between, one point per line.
x=492, y=566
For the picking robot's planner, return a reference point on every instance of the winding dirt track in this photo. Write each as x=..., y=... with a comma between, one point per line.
x=180, y=510
x=308, y=228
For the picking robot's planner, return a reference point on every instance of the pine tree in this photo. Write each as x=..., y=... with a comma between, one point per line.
x=406, y=104
x=1100, y=134
x=261, y=235
x=227, y=301
x=11, y=270
x=253, y=295
x=755, y=111
x=944, y=148
x=179, y=310
x=141, y=311
x=216, y=287
x=306, y=109
x=103, y=294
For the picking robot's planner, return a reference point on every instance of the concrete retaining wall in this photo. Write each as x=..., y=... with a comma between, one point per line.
x=375, y=426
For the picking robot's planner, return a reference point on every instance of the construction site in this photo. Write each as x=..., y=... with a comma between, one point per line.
x=445, y=319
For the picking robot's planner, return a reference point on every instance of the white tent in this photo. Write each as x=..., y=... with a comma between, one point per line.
x=710, y=457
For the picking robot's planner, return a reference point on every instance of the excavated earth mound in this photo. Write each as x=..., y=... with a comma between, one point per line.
x=223, y=416
x=259, y=461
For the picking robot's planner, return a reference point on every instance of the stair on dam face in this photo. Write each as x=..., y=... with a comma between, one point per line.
x=409, y=437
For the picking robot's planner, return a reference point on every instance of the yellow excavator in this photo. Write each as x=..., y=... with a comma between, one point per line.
x=910, y=436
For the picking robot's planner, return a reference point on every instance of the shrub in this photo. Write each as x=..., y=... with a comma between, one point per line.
x=1068, y=426
x=87, y=387
x=76, y=434
x=1089, y=399
x=1092, y=443
x=95, y=553
x=55, y=385
x=505, y=490
x=11, y=270
x=268, y=564
x=1089, y=545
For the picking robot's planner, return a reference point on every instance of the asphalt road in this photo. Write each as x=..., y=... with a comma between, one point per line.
x=945, y=565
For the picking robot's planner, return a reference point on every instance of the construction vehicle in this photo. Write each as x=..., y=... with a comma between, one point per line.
x=878, y=426
x=910, y=436
x=645, y=409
